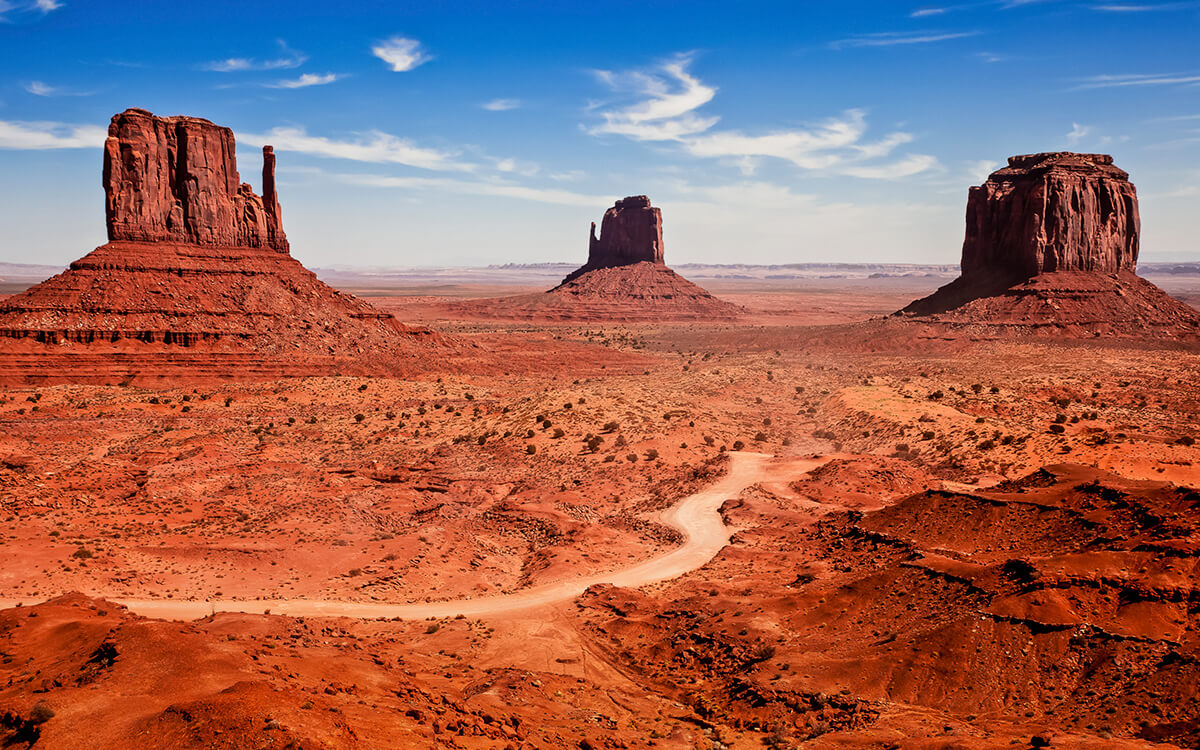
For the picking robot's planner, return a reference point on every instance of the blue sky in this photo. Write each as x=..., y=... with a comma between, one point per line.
x=465, y=133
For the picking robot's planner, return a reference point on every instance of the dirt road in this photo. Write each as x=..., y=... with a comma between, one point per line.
x=696, y=517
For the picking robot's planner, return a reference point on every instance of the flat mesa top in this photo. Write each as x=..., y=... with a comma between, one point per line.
x=633, y=201
x=138, y=112
x=1068, y=161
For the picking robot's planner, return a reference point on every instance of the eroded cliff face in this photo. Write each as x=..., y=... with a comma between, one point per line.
x=630, y=232
x=1052, y=212
x=175, y=179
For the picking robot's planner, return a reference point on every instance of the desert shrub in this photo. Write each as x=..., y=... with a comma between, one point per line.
x=40, y=713
x=902, y=447
x=1186, y=440
x=530, y=449
x=976, y=387
x=83, y=554
x=482, y=439
x=433, y=628
x=631, y=457
x=559, y=432
x=1060, y=418
x=611, y=426
x=359, y=417
x=928, y=435
x=936, y=395
x=708, y=439
x=1057, y=429
x=987, y=445
x=651, y=454
x=760, y=437
x=738, y=445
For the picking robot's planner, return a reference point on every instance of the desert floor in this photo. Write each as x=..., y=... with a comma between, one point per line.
x=932, y=542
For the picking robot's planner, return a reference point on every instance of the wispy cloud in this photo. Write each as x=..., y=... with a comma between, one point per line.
x=376, y=146
x=1143, y=7
x=670, y=94
x=1078, y=133
x=668, y=97
x=400, y=53
x=307, y=79
x=980, y=170
x=30, y=6
x=39, y=88
x=37, y=136
x=288, y=58
x=893, y=38
x=1139, y=79
x=501, y=105
x=476, y=187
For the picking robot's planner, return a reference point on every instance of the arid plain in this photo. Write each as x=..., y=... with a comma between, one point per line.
x=400, y=526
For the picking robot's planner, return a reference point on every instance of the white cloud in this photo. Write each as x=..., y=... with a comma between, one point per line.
x=49, y=135
x=30, y=6
x=401, y=54
x=39, y=88
x=667, y=114
x=1142, y=7
x=1078, y=133
x=671, y=94
x=477, y=187
x=1139, y=79
x=892, y=38
x=375, y=146
x=905, y=167
x=288, y=59
x=501, y=105
x=307, y=79
x=980, y=170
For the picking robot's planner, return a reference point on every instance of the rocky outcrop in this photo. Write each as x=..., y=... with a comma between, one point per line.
x=175, y=179
x=625, y=277
x=1052, y=212
x=196, y=283
x=1051, y=246
x=630, y=232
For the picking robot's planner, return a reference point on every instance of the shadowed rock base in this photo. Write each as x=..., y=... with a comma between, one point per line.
x=145, y=312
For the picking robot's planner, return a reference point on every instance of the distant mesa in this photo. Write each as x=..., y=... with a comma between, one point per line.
x=1052, y=243
x=630, y=232
x=196, y=281
x=626, y=276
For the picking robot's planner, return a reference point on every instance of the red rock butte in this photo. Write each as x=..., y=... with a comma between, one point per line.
x=196, y=281
x=1052, y=244
x=626, y=276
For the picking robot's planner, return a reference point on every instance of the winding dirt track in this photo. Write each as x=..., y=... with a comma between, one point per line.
x=697, y=517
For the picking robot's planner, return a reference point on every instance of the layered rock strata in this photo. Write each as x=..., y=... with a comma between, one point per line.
x=1052, y=243
x=196, y=281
